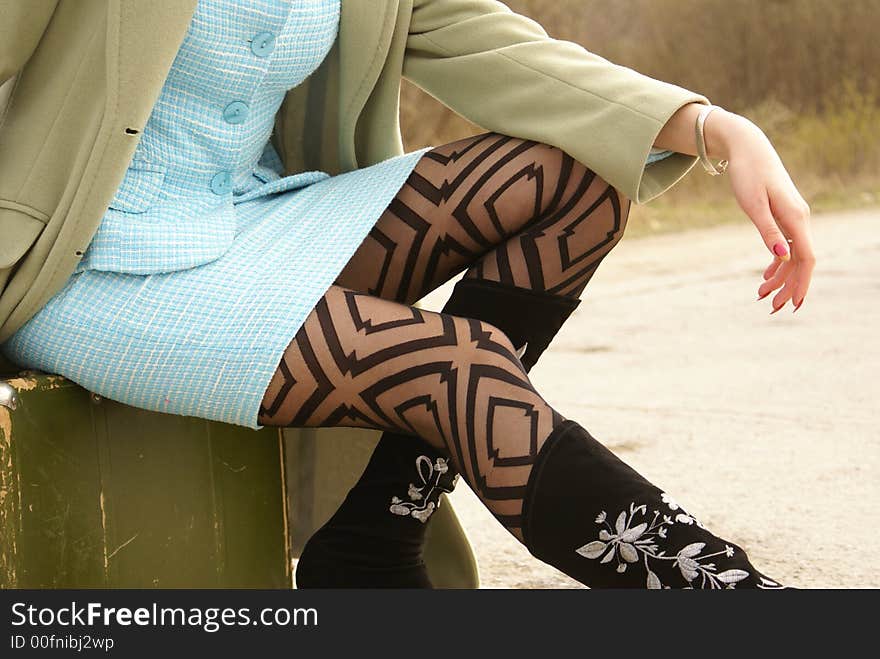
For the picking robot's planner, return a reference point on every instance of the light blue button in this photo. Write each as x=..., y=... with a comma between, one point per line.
x=236, y=112
x=221, y=183
x=263, y=43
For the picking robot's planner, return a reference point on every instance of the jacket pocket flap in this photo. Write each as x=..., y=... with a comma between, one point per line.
x=140, y=188
x=19, y=232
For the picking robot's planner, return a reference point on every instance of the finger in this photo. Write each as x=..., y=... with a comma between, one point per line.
x=804, y=277
x=777, y=280
x=792, y=216
x=797, y=284
x=758, y=210
x=771, y=269
x=783, y=296
x=796, y=221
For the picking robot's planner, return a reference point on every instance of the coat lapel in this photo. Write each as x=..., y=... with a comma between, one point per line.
x=365, y=31
x=143, y=37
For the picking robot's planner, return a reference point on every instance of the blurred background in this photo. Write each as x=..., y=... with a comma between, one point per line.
x=805, y=71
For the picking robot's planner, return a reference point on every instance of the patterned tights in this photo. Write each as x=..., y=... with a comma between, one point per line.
x=509, y=210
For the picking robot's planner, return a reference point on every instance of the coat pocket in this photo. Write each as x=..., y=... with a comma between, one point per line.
x=140, y=188
x=19, y=232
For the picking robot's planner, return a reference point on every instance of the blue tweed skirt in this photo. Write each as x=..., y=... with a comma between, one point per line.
x=205, y=341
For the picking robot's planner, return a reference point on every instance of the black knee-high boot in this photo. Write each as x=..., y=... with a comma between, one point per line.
x=592, y=516
x=530, y=319
x=376, y=537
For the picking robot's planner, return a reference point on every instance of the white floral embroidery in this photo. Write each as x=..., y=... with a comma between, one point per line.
x=769, y=584
x=627, y=541
x=420, y=506
x=415, y=493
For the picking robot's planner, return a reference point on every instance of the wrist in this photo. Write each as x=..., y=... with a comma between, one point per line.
x=724, y=130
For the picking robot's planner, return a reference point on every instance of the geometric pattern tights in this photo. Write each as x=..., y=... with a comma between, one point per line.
x=505, y=209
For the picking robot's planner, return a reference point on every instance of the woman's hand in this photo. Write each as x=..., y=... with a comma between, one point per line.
x=765, y=191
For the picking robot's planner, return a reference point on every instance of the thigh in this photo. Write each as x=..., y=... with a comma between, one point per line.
x=560, y=252
x=363, y=361
x=462, y=200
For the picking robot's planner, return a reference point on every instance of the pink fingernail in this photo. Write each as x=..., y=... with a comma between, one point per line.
x=780, y=250
x=761, y=297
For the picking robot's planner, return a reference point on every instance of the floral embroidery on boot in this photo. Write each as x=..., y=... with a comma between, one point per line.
x=631, y=543
x=424, y=498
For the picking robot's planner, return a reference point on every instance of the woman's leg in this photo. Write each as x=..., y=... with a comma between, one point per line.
x=362, y=361
x=456, y=382
x=533, y=224
x=513, y=211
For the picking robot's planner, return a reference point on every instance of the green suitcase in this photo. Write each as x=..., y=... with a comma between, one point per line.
x=95, y=493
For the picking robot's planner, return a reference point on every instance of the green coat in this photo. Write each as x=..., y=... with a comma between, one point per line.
x=80, y=77
x=91, y=70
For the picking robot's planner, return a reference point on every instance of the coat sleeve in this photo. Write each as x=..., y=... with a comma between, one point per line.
x=503, y=72
x=22, y=24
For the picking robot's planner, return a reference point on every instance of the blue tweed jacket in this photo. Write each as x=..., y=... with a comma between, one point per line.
x=206, y=145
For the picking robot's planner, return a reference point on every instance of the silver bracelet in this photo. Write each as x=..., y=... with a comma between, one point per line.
x=701, y=143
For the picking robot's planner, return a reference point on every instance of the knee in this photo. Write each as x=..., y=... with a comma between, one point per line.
x=621, y=206
x=578, y=182
x=616, y=205
x=477, y=337
x=499, y=337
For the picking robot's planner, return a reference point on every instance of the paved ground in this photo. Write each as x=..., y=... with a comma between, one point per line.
x=767, y=428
